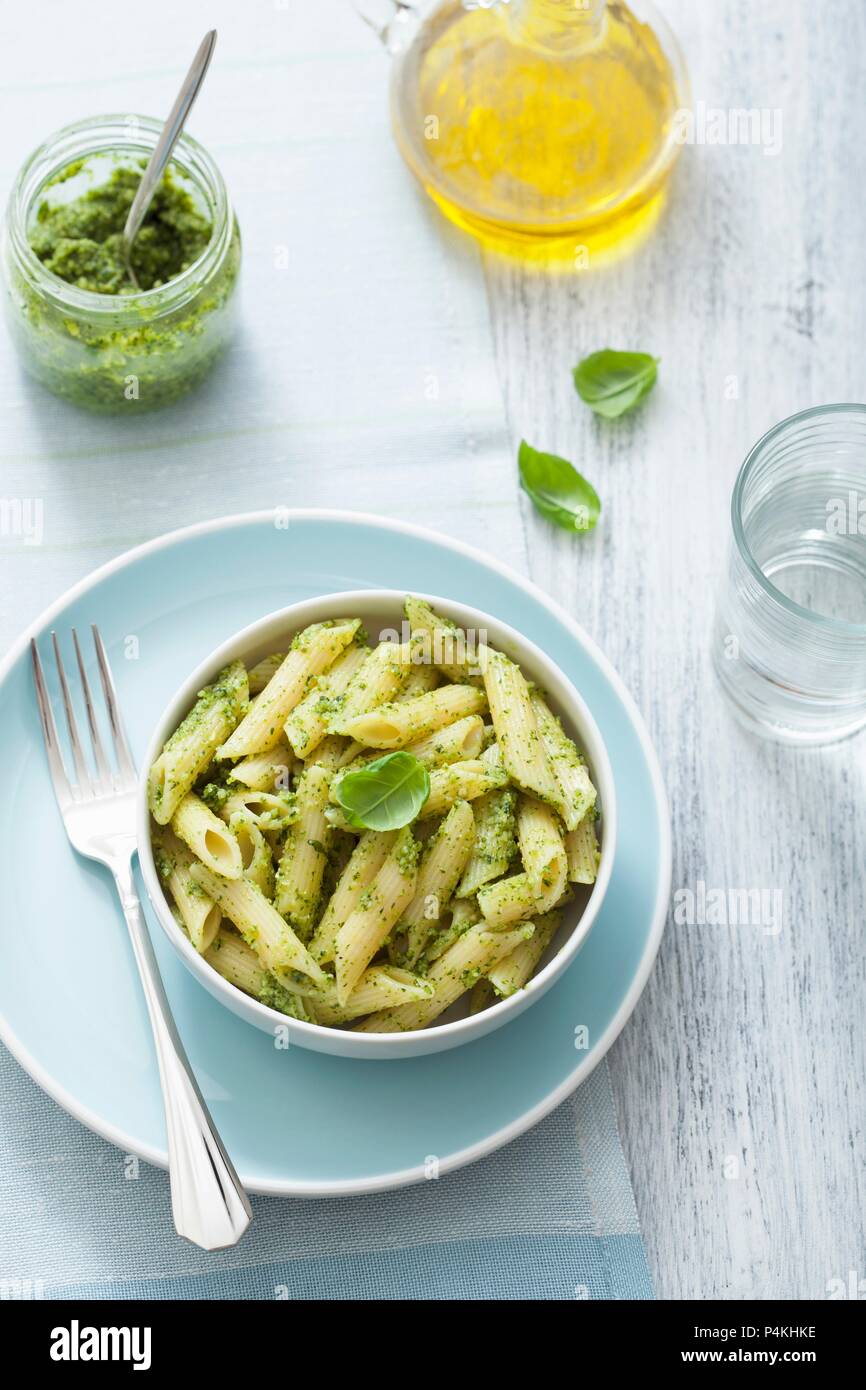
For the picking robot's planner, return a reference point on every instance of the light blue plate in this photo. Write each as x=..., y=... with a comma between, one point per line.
x=297, y=1122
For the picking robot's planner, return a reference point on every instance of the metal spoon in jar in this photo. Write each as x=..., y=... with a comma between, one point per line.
x=158, y=161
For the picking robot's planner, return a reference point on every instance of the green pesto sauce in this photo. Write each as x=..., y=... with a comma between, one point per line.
x=408, y=851
x=138, y=352
x=82, y=241
x=496, y=827
x=214, y=796
x=272, y=993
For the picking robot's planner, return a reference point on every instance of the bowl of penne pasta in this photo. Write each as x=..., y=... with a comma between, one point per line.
x=383, y=823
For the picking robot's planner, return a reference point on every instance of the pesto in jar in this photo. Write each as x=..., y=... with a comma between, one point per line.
x=80, y=325
x=82, y=240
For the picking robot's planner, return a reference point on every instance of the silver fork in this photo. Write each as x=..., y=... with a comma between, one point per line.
x=209, y=1205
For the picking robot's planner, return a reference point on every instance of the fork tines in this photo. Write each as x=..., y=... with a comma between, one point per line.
x=84, y=786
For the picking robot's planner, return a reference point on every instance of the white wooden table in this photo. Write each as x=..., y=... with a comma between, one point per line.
x=741, y=1081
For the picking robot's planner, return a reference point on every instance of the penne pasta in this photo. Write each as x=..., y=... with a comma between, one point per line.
x=464, y=914
x=511, y=972
x=442, y=862
x=238, y=963
x=380, y=987
x=192, y=746
x=581, y=847
x=265, y=772
x=544, y=880
x=379, y=909
x=471, y=956
x=199, y=914
x=313, y=651
x=495, y=840
x=366, y=860
x=458, y=742
x=576, y=794
x=305, y=855
x=421, y=679
x=396, y=724
x=307, y=724
x=542, y=849
x=333, y=753
x=264, y=671
x=381, y=676
x=507, y=901
x=269, y=810
x=520, y=743
x=443, y=642
x=258, y=864
x=482, y=995
x=462, y=781
x=208, y=837
x=262, y=927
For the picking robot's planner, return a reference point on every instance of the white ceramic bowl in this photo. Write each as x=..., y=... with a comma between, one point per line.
x=381, y=610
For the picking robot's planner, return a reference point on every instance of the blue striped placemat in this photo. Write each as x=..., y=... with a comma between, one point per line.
x=550, y=1216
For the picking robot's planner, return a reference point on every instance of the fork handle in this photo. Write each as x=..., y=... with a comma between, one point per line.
x=208, y=1203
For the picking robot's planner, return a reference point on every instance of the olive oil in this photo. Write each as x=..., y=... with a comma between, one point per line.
x=541, y=121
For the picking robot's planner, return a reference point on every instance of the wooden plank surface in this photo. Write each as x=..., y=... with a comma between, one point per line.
x=741, y=1080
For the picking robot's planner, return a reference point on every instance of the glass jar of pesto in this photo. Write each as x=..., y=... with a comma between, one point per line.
x=80, y=325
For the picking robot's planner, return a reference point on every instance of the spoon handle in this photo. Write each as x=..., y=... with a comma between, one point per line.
x=168, y=139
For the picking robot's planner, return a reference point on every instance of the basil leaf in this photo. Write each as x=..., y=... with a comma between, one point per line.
x=386, y=794
x=613, y=382
x=558, y=490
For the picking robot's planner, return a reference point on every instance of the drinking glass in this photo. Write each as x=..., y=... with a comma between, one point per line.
x=789, y=641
